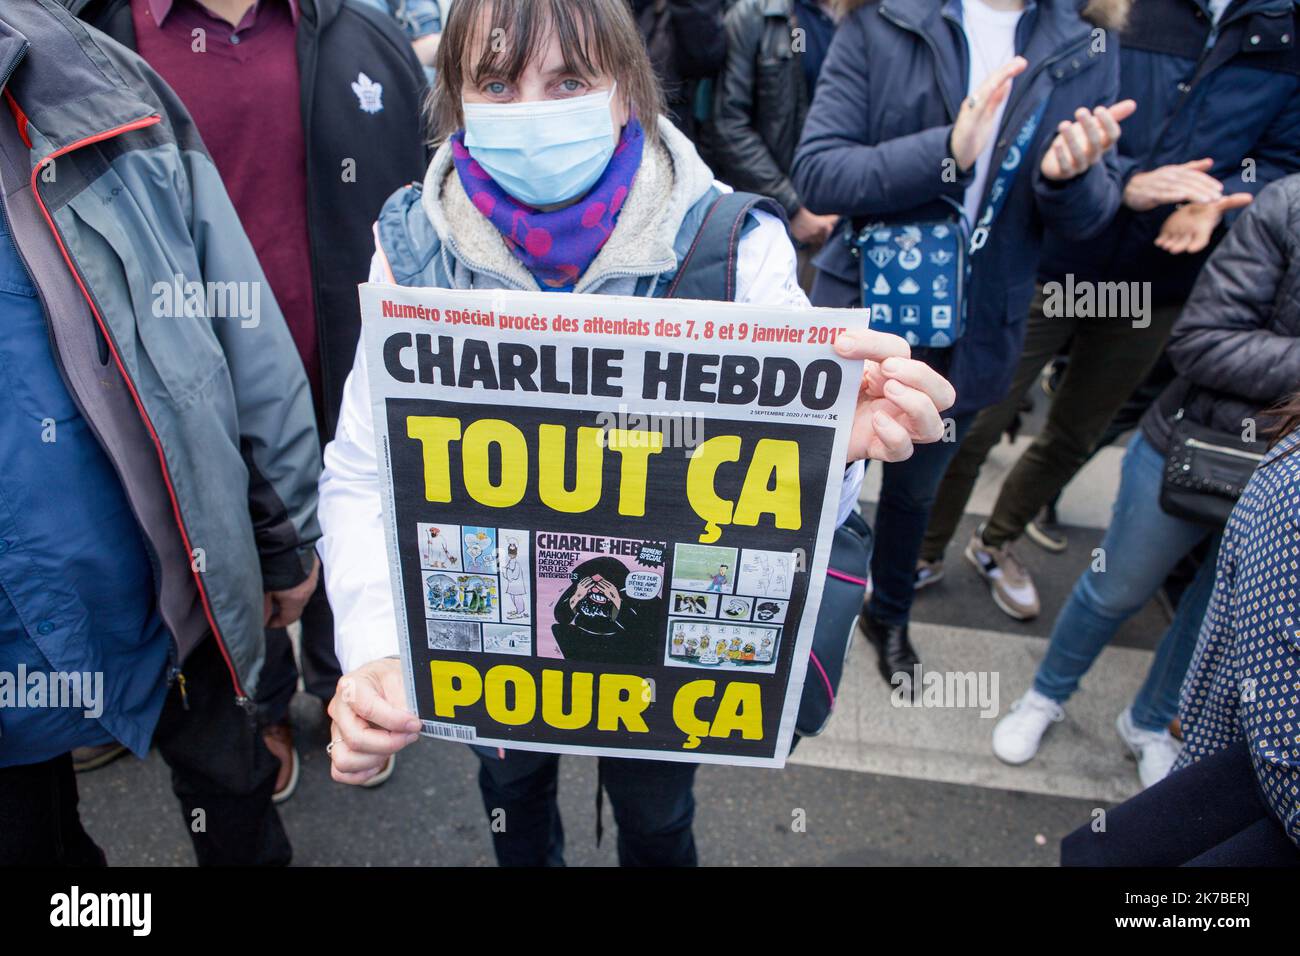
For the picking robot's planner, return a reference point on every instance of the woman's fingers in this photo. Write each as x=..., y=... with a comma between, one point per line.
x=1006, y=72
x=1122, y=110
x=1178, y=242
x=1093, y=133
x=1109, y=125
x=921, y=377
x=989, y=104
x=892, y=443
x=902, y=397
x=365, y=700
x=1081, y=143
x=1194, y=184
x=1235, y=201
x=346, y=760
x=367, y=728
x=920, y=416
x=349, y=767
x=361, y=737
x=1077, y=141
x=355, y=779
x=1064, y=161
x=869, y=345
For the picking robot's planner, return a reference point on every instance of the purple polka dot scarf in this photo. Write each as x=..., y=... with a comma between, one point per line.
x=555, y=247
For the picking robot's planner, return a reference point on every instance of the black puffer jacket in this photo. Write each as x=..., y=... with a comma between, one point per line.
x=761, y=102
x=1236, y=346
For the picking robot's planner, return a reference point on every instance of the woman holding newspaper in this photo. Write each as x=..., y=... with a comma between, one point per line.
x=513, y=74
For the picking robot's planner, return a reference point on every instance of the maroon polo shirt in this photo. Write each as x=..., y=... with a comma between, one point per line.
x=241, y=86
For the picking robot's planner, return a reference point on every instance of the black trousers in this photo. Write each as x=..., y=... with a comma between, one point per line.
x=1207, y=814
x=652, y=801
x=320, y=666
x=222, y=774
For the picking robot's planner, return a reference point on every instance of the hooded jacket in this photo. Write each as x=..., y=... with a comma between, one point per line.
x=208, y=419
x=432, y=235
x=875, y=146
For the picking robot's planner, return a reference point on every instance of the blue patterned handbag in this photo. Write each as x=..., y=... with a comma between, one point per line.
x=914, y=275
x=914, y=279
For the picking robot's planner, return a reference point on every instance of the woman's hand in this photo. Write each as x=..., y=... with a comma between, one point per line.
x=371, y=721
x=1080, y=145
x=812, y=229
x=1189, y=229
x=977, y=119
x=1175, y=183
x=899, y=398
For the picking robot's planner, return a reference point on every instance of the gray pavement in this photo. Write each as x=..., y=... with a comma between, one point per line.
x=429, y=814
x=883, y=785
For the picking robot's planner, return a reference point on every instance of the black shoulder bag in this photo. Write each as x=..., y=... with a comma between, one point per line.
x=1205, y=471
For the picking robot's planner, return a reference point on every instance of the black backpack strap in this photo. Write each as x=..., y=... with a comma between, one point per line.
x=708, y=270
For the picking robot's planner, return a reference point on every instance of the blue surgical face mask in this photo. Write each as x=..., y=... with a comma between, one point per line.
x=543, y=152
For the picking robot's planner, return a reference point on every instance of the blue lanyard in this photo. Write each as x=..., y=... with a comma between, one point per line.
x=1006, y=175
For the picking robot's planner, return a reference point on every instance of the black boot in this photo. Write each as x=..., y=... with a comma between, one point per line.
x=895, y=652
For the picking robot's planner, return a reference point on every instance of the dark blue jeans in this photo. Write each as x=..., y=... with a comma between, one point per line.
x=907, y=490
x=652, y=801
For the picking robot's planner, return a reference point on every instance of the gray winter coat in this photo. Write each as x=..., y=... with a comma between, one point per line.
x=209, y=421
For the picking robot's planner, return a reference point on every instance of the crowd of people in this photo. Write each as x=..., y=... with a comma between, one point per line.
x=294, y=148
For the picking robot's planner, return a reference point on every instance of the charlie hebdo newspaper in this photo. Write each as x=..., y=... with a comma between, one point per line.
x=608, y=519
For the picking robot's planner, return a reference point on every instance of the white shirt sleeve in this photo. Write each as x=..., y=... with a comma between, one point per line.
x=352, y=549
x=767, y=274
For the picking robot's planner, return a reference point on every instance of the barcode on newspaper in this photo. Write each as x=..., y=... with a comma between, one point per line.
x=450, y=731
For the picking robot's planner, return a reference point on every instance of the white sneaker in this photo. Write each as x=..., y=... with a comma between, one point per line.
x=1017, y=735
x=1154, y=750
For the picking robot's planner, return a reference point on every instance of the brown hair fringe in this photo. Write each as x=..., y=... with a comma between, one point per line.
x=498, y=38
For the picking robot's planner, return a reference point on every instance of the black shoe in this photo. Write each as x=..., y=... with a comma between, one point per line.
x=895, y=653
x=1046, y=532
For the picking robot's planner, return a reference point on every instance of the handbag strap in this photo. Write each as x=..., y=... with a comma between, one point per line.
x=1005, y=177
